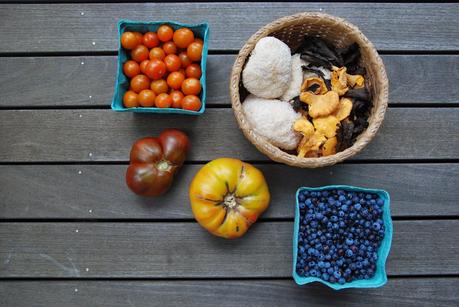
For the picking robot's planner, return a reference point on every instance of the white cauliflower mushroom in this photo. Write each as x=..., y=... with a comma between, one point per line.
x=296, y=78
x=274, y=120
x=267, y=72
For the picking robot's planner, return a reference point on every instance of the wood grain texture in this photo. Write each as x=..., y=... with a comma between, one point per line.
x=69, y=81
x=99, y=191
x=103, y=135
x=398, y=291
x=394, y=26
x=185, y=250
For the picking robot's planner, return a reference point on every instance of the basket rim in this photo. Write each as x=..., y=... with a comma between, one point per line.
x=277, y=154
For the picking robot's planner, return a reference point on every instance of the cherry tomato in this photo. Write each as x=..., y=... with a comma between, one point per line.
x=155, y=69
x=130, y=99
x=143, y=65
x=170, y=48
x=139, y=53
x=150, y=39
x=191, y=86
x=131, y=68
x=159, y=86
x=183, y=37
x=175, y=80
x=193, y=71
x=146, y=98
x=139, y=37
x=129, y=40
x=139, y=83
x=182, y=71
x=184, y=59
x=163, y=100
x=165, y=33
x=157, y=53
x=198, y=40
x=191, y=102
x=194, y=51
x=172, y=62
x=177, y=97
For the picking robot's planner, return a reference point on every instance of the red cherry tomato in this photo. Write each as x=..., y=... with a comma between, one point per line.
x=175, y=80
x=169, y=48
x=193, y=71
x=157, y=53
x=140, y=83
x=191, y=86
x=131, y=68
x=159, y=86
x=139, y=53
x=150, y=39
x=172, y=62
x=155, y=69
x=143, y=65
x=184, y=59
x=191, y=102
x=146, y=98
x=165, y=33
x=129, y=40
x=139, y=37
x=183, y=37
x=130, y=99
x=177, y=97
x=163, y=101
x=194, y=51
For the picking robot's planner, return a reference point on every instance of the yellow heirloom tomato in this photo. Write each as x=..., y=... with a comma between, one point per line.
x=227, y=196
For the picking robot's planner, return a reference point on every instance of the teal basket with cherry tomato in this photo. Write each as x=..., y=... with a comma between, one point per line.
x=164, y=87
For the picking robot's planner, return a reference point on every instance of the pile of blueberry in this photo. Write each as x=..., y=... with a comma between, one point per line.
x=339, y=235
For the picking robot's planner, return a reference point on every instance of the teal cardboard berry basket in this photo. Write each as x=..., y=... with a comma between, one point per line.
x=380, y=277
x=200, y=30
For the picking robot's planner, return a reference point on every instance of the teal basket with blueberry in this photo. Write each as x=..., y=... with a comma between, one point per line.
x=342, y=236
x=200, y=30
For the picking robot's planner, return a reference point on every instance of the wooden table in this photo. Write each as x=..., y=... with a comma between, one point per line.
x=72, y=234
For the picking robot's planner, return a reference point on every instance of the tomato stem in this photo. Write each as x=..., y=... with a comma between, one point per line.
x=230, y=201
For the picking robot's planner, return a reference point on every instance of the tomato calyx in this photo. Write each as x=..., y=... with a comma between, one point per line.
x=164, y=166
x=230, y=201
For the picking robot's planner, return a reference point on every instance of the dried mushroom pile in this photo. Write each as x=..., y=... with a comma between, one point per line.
x=322, y=99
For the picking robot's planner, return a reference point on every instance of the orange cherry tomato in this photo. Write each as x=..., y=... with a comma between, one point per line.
x=129, y=40
x=130, y=99
x=175, y=80
x=159, y=86
x=146, y=98
x=198, y=40
x=157, y=53
x=143, y=65
x=191, y=102
x=131, y=68
x=163, y=100
x=191, y=86
x=169, y=48
x=172, y=62
x=177, y=97
x=184, y=59
x=150, y=39
x=165, y=33
x=194, y=51
x=155, y=69
x=140, y=83
x=139, y=37
x=139, y=53
x=193, y=71
x=183, y=37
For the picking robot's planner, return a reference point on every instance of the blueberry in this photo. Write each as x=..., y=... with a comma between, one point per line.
x=332, y=279
x=376, y=226
x=330, y=271
x=368, y=196
x=344, y=208
x=342, y=198
x=341, y=281
x=321, y=264
x=301, y=197
x=336, y=274
x=357, y=206
x=379, y=202
x=327, y=264
x=349, y=253
x=325, y=276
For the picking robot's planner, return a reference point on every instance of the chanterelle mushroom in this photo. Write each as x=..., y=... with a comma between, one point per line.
x=267, y=72
x=339, y=80
x=320, y=105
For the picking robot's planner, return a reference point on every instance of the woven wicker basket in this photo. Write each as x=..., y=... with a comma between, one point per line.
x=291, y=30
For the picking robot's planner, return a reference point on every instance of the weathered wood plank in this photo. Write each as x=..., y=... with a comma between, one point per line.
x=176, y=250
x=398, y=291
x=99, y=191
x=92, y=27
x=103, y=135
x=71, y=80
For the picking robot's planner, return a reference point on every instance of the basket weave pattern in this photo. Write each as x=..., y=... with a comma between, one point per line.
x=291, y=30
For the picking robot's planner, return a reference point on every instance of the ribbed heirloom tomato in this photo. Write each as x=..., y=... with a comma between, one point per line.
x=227, y=196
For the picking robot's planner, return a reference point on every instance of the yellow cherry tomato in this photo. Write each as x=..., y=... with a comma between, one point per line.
x=227, y=196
